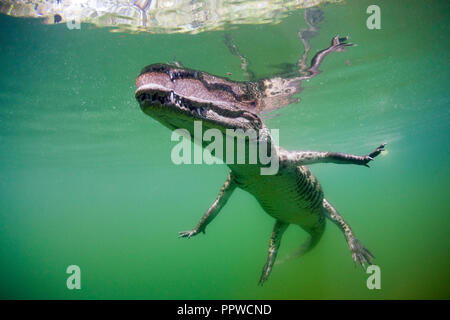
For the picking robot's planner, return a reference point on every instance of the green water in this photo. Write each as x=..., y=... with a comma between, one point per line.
x=86, y=178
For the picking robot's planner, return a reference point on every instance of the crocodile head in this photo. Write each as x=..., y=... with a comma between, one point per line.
x=177, y=97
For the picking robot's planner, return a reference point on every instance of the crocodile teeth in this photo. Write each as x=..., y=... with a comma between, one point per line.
x=199, y=111
x=171, y=97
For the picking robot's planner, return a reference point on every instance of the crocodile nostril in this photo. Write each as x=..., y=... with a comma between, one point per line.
x=142, y=97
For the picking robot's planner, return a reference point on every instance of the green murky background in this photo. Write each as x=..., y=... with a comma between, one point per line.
x=86, y=178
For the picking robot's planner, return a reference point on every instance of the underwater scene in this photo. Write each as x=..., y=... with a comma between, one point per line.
x=93, y=204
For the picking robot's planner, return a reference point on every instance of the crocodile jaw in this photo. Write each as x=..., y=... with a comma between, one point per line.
x=177, y=97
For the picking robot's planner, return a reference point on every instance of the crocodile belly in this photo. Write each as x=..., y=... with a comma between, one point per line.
x=294, y=195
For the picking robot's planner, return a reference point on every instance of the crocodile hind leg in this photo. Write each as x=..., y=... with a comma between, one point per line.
x=359, y=253
x=274, y=244
x=225, y=193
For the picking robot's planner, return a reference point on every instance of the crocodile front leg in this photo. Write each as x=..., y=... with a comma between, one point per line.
x=311, y=157
x=274, y=244
x=359, y=252
x=225, y=192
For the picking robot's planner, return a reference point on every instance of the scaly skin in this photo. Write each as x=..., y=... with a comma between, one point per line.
x=176, y=97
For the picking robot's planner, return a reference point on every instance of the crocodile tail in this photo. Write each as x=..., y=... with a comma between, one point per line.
x=305, y=247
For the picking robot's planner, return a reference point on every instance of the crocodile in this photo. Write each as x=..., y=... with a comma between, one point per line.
x=177, y=97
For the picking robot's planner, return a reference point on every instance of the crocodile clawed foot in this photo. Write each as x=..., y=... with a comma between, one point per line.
x=339, y=43
x=360, y=253
x=377, y=151
x=187, y=234
x=373, y=154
